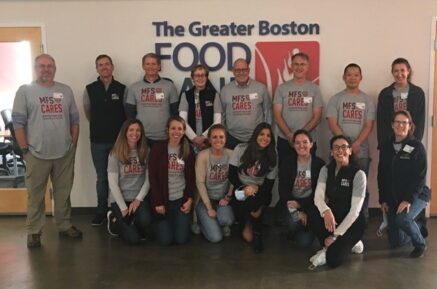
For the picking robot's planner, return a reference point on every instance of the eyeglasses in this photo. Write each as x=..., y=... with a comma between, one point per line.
x=241, y=70
x=399, y=122
x=342, y=147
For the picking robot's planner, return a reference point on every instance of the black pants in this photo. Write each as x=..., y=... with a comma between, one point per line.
x=341, y=248
x=232, y=142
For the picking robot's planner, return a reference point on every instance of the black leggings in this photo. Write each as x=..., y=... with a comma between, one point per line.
x=341, y=248
x=243, y=209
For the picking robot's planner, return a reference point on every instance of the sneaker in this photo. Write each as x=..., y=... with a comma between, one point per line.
x=72, y=232
x=418, y=252
x=110, y=223
x=33, y=241
x=358, y=248
x=98, y=220
x=195, y=229
x=226, y=231
x=319, y=259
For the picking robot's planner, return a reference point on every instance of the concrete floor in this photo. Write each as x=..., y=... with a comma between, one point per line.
x=99, y=261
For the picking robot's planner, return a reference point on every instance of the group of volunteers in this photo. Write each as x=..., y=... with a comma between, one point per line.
x=207, y=161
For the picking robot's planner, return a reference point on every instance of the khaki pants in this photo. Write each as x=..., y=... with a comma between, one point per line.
x=61, y=172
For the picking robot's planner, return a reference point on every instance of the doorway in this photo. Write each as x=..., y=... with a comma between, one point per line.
x=18, y=47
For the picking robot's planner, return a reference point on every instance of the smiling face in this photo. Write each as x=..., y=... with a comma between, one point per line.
x=104, y=67
x=300, y=68
x=341, y=151
x=45, y=69
x=264, y=138
x=302, y=145
x=352, y=78
x=200, y=78
x=401, y=127
x=133, y=135
x=217, y=139
x=175, y=131
x=241, y=71
x=151, y=67
x=400, y=73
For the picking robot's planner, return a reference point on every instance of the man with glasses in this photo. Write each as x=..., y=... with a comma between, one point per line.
x=46, y=122
x=297, y=105
x=352, y=113
x=200, y=107
x=246, y=103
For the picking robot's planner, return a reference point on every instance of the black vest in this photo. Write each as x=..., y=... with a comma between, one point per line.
x=206, y=101
x=339, y=190
x=107, y=110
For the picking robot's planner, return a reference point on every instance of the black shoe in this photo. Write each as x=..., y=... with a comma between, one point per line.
x=98, y=220
x=33, y=241
x=258, y=246
x=418, y=252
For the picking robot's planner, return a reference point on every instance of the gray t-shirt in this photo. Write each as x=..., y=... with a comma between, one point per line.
x=245, y=107
x=250, y=175
x=352, y=113
x=298, y=102
x=183, y=106
x=217, y=182
x=176, y=176
x=302, y=183
x=400, y=98
x=46, y=114
x=131, y=176
x=153, y=105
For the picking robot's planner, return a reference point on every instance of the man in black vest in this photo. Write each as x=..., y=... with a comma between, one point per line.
x=103, y=102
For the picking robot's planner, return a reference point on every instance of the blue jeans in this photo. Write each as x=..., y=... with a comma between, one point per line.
x=402, y=227
x=174, y=226
x=302, y=235
x=212, y=227
x=364, y=164
x=100, y=154
x=131, y=228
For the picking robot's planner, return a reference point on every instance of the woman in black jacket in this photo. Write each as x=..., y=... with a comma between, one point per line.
x=297, y=183
x=401, y=180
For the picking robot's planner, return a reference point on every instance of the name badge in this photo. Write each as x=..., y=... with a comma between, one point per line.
x=115, y=96
x=404, y=95
x=307, y=174
x=307, y=99
x=253, y=96
x=159, y=95
x=408, y=149
x=360, y=105
x=196, y=100
x=58, y=95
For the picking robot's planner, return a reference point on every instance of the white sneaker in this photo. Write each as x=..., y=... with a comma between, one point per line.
x=195, y=229
x=110, y=224
x=319, y=259
x=226, y=231
x=358, y=248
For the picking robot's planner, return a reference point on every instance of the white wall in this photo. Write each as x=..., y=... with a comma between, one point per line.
x=371, y=33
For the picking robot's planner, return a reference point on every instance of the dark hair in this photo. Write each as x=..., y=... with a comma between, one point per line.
x=304, y=132
x=151, y=55
x=101, y=56
x=121, y=148
x=351, y=65
x=214, y=127
x=184, y=151
x=266, y=157
x=340, y=136
x=410, y=119
x=401, y=60
x=198, y=67
x=302, y=55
